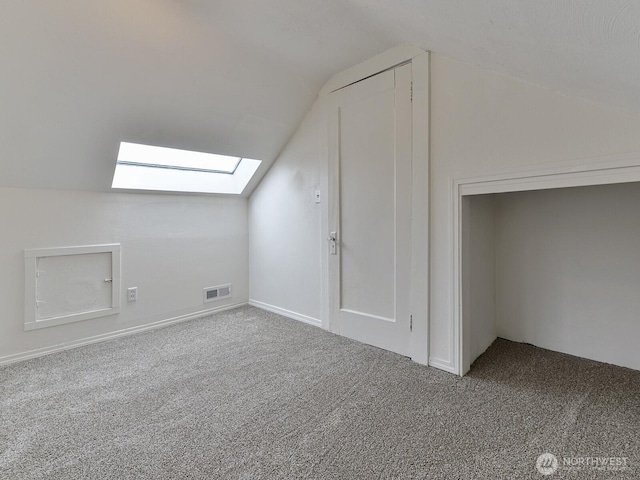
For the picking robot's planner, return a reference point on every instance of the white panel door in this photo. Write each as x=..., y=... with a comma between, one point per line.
x=370, y=210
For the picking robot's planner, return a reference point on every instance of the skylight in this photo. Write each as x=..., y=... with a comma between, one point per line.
x=147, y=167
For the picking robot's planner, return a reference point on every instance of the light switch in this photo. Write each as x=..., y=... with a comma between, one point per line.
x=317, y=195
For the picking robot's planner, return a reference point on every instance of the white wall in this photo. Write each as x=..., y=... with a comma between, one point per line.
x=285, y=226
x=478, y=273
x=481, y=123
x=484, y=123
x=172, y=247
x=568, y=270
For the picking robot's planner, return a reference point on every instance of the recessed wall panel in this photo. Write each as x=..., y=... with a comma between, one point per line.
x=367, y=189
x=69, y=284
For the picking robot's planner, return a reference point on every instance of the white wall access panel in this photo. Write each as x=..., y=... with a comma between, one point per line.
x=64, y=285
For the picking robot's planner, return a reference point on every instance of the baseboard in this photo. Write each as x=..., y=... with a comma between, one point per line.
x=40, y=352
x=286, y=313
x=442, y=365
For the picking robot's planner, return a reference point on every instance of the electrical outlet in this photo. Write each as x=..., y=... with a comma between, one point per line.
x=132, y=294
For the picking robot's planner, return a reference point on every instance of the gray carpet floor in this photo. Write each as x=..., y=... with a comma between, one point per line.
x=247, y=394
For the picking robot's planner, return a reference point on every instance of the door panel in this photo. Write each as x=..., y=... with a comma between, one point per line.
x=367, y=215
x=370, y=210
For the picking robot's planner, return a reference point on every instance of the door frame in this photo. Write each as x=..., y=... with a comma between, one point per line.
x=419, y=296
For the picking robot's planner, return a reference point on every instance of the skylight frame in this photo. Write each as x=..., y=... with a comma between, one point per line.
x=173, y=158
x=138, y=169
x=176, y=167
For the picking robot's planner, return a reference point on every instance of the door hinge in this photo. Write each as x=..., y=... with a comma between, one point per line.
x=411, y=92
x=411, y=323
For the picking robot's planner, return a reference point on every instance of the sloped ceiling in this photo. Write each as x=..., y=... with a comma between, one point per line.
x=237, y=76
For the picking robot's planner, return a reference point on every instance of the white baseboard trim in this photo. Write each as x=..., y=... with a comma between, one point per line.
x=40, y=352
x=442, y=365
x=286, y=313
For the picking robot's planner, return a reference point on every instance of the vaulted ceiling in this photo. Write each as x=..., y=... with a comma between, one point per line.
x=237, y=76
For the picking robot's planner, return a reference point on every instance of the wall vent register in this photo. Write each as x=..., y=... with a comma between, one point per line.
x=211, y=294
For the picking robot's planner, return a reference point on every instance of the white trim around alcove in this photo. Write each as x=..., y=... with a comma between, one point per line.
x=586, y=172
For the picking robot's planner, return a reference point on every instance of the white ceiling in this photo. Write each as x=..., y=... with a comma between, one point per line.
x=237, y=76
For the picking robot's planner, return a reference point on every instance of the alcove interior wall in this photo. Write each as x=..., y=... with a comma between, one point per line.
x=557, y=268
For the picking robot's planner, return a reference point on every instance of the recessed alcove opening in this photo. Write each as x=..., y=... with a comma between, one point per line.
x=557, y=268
